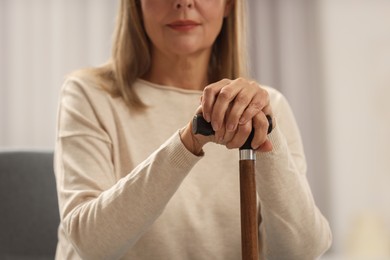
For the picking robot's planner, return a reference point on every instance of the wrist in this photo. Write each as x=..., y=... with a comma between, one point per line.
x=190, y=141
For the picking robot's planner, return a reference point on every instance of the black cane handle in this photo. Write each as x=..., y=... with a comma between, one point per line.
x=201, y=126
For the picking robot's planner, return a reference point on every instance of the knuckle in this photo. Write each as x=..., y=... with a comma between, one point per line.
x=208, y=90
x=264, y=128
x=230, y=146
x=261, y=101
x=242, y=80
x=265, y=94
x=242, y=100
x=246, y=129
x=255, y=106
x=261, y=124
x=225, y=94
x=225, y=81
x=254, y=84
x=234, y=143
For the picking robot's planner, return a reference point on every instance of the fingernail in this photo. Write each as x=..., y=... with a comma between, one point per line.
x=242, y=120
x=215, y=127
x=207, y=117
x=231, y=127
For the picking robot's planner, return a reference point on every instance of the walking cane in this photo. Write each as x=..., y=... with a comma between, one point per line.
x=248, y=201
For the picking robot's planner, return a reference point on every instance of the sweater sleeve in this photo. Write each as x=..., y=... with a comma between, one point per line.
x=100, y=216
x=292, y=226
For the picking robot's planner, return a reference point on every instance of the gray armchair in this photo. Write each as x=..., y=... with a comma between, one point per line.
x=29, y=215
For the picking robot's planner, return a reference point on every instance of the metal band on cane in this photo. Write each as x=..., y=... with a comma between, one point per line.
x=247, y=154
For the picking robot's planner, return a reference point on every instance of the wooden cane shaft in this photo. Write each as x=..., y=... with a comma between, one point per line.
x=249, y=226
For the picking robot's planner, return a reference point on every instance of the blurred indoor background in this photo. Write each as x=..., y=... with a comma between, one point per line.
x=331, y=58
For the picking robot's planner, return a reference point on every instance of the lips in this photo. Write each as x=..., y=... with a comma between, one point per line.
x=183, y=25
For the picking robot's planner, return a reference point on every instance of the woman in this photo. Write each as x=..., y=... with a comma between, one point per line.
x=134, y=182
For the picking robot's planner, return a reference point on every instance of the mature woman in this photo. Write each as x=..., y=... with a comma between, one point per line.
x=134, y=182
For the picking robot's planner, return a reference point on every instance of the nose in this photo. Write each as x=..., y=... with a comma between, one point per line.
x=179, y=4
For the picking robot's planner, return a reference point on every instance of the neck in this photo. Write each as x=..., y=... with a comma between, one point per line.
x=187, y=72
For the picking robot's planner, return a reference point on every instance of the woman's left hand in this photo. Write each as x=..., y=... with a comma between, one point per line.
x=235, y=106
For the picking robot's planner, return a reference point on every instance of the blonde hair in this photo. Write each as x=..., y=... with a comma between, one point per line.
x=131, y=55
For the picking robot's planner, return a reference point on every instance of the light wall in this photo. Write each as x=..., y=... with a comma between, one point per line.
x=355, y=44
x=285, y=53
x=41, y=41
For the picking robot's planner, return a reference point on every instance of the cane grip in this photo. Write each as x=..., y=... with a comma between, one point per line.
x=201, y=126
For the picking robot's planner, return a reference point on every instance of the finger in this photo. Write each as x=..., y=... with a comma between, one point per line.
x=265, y=147
x=260, y=125
x=240, y=104
x=240, y=136
x=228, y=135
x=198, y=110
x=219, y=136
x=209, y=96
x=268, y=111
x=226, y=95
x=257, y=104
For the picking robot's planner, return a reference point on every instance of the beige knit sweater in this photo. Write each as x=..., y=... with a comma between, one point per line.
x=129, y=189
